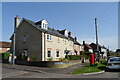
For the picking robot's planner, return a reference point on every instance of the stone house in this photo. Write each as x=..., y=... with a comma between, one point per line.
x=87, y=47
x=102, y=49
x=37, y=40
x=77, y=47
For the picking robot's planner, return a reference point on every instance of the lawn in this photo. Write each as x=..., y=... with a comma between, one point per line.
x=86, y=69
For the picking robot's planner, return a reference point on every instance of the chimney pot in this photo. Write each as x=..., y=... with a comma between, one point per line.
x=16, y=21
x=75, y=38
x=83, y=42
x=69, y=34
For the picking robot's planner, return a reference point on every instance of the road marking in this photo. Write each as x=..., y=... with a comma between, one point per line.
x=13, y=74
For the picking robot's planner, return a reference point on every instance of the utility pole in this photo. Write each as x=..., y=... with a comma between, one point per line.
x=96, y=29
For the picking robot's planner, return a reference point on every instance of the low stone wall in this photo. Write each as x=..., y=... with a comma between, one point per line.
x=55, y=64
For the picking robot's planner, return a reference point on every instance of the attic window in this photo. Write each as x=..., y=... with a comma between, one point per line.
x=44, y=25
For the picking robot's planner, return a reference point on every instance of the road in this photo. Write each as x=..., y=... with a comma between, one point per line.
x=13, y=73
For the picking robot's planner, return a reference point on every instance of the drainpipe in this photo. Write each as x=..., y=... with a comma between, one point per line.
x=44, y=47
x=14, y=49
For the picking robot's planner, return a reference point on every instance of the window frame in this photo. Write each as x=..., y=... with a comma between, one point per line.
x=49, y=53
x=49, y=37
x=57, y=54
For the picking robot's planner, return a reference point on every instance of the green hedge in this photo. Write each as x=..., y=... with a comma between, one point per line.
x=103, y=61
x=6, y=55
x=75, y=57
x=101, y=66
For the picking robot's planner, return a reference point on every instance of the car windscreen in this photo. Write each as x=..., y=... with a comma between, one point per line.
x=114, y=59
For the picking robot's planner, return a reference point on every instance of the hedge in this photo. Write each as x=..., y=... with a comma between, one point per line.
x=103, y=61
x=101, y=66
x=6, y=55
x=74, y=57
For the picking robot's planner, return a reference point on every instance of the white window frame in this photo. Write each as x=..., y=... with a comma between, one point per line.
x=49, y=54
x=64, y=40
x=58, y=39
x=57, y=54
x=71, y=43
x=49, y=37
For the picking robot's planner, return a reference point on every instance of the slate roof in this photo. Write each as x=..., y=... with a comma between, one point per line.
x=76, y=42
x=88, y=46
x=49, y=30
x=98, y=45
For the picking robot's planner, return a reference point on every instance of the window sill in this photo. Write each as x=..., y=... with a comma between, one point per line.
x=49, y=40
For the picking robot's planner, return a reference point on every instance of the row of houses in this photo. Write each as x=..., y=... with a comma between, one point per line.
x=38, y=40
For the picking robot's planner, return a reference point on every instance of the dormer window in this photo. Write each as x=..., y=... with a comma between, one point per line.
x=44, y=24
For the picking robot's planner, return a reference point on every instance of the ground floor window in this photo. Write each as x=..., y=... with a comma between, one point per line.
x=57, y=53
x=49, y=53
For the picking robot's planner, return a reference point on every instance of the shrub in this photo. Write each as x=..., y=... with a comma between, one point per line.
x=96, y=63
x=73, y=57
x=103, y=61
x=50, y=59
x=62, y=59
x=6, y=55
x=101, y=66
x=34, y=58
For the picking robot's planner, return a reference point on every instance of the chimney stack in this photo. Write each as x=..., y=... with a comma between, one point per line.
x=69, y=34
x=75, y=38
x=16, y=22
x=83, y=42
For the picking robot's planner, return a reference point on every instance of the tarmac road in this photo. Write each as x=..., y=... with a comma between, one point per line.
x=16, y=73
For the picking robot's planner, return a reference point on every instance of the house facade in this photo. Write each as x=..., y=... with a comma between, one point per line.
x=102, y=49
x=87, y=47
x=77, y=47
x=37, y=40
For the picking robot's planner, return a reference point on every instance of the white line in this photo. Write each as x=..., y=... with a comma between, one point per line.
x=13, y=74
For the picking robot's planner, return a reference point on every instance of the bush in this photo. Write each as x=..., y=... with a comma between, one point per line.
x=96, y=63
x=73, y=57
x=103, y=61
x=50, y=59
x=34, y=58
x=101, y=66
x=63, y=59
x=6, y=55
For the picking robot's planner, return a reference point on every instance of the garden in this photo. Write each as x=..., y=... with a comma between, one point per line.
x=96, y=67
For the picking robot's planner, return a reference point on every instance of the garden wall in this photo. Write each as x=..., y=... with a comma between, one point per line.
x=56, y=64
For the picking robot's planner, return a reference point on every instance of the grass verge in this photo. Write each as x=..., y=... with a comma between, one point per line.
x=86, y=69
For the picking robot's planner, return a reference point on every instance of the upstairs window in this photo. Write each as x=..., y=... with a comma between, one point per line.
x=24, y=39
x=71, y=43
x=64, y=40
x=49, y=37
x=58, y=39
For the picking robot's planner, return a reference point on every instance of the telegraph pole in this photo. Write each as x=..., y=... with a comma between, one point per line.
x=96, y=29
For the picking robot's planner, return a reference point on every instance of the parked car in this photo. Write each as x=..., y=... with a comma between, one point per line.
x=113, y=63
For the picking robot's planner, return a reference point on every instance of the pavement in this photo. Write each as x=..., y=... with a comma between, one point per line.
x=67, y=70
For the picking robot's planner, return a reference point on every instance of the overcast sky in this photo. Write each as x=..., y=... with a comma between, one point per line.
x=77, y=17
